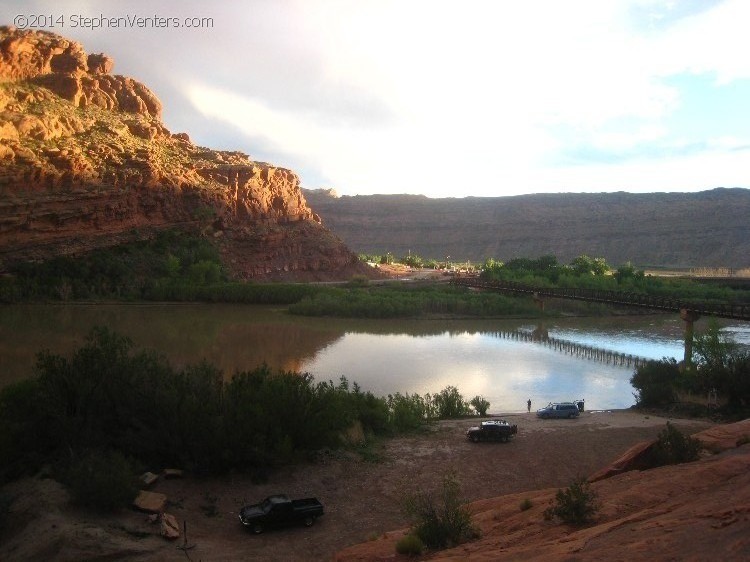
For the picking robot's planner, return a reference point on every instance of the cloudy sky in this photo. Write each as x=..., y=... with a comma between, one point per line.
x=444, y=98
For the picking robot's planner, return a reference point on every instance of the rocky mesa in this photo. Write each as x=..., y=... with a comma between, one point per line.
x=679, y=230
x=86, y=162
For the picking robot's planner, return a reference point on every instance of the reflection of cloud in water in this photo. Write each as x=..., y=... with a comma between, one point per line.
x=506, y=372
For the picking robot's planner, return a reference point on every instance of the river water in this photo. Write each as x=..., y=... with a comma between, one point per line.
x=479, y=357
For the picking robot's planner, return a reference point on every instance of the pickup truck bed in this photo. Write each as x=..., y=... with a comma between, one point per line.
x=279, y=511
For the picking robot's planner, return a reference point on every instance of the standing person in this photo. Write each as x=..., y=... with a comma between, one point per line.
x=528, y=405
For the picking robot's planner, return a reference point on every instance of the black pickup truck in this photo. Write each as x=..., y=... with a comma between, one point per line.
x=492, y=430
x=279, y=511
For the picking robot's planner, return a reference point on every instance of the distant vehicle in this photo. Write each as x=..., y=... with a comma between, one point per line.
x=280, y=511
x=492, y=430
x=559, y=410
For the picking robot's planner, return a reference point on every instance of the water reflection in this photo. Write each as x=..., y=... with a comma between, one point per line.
x=382, y=356
x=506, y=372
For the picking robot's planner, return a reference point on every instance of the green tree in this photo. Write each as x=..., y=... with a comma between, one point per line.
x=655, y=382
x=712, y=349
x=412, y=260
x=480, y=404
x=547, y=263
x=449, y=403
x=628, y=272
x=172, y=266
x=584, y=265
x=204, y=271
x=720, y=364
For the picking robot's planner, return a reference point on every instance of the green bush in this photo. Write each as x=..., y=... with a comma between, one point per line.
x=655, y=382
x=407, y=412
x=128, y=271
x=410, y=544
x=480, y=404
x=450, y=404
x=525, y=504
x=575, y=505
x=673, y=447
x=102, y=480
x=440, y=519
x=106, y=396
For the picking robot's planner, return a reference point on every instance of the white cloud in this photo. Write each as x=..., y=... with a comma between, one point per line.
x=452, y=98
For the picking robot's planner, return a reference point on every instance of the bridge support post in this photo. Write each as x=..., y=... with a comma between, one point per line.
x=689, y=317
x=538, y=300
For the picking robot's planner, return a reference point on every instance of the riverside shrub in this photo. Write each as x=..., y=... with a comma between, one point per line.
x=655, y=382
x=673, y=447
x=104, y=481
x=575, y=505
x=449, y=403
x=108, y=396
x=407, y=412
x=439, y=518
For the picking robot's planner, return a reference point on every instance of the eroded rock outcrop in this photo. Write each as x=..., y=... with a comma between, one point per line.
x=86, y=162
x=693, y=511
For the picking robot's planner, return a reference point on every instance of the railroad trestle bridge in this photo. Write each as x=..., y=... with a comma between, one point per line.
x=688, y=311
x=593, y=353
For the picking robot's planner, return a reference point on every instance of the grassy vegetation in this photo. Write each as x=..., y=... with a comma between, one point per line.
x=594, y=273
x=179, y=267
x=183, y=268
x=139, y=270
x=400, y=301
x=108, y=404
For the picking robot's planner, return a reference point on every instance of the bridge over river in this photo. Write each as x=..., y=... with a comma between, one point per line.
x=688, y=311
x=542, y=337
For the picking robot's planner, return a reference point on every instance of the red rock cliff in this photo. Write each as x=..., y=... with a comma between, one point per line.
x=86, y=162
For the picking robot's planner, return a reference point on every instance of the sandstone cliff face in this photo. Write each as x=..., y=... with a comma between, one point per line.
x=86, y=162
x=709, y=228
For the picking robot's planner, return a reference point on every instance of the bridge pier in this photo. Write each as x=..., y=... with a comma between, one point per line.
x=689, y=317
x=538, y=300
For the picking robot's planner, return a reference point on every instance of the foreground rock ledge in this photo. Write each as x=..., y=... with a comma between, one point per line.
x=693, y=511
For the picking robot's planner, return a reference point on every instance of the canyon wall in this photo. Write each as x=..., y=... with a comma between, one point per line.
x=705, y=229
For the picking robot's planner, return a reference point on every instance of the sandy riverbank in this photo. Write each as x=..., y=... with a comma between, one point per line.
x=362, y=498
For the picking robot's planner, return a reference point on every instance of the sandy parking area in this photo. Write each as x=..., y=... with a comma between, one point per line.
x=362, y=498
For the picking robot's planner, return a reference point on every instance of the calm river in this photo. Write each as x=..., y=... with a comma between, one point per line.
x=383, y=356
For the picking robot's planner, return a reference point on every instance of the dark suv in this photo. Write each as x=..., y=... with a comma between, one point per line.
x=561, y=410
x=492, y=430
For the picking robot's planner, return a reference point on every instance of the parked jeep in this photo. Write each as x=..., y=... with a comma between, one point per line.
x=492, y=430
